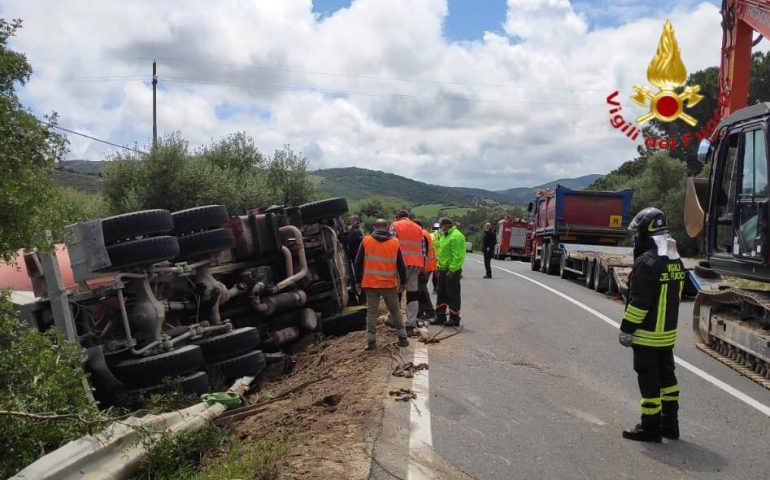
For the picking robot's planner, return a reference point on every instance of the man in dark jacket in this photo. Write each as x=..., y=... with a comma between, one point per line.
x=490, y=240
x=352, y=238
x=650, y=322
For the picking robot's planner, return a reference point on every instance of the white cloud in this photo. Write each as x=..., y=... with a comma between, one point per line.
x=375, y=85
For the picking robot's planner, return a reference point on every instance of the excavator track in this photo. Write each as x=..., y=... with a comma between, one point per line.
x=745, y=370
x=725, y=329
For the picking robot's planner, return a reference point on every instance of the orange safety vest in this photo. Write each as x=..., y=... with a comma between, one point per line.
x=410, y=237
x=430, y=259
x=380, y=263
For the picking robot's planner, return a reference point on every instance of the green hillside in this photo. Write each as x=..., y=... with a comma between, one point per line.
x=358, y=183
x=78, y=181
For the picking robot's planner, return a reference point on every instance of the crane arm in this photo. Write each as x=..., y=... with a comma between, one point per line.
x=740, y=18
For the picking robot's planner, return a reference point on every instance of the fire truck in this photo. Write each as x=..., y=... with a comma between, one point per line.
x=514, y=239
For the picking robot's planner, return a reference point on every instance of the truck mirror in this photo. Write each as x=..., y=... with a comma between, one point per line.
x=703, y=150
x=530, y=207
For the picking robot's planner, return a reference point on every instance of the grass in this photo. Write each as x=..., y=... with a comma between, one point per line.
x=432, y=211
x=212, y=453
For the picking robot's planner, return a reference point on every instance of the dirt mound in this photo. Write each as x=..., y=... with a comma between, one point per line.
x=330, y=421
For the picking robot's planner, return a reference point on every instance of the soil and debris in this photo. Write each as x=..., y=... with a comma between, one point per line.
x=329, y=408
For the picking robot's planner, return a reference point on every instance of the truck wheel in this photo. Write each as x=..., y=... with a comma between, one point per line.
x=196, y=383
x=199, y=218
x=145, y=371
x=200, y=243
x=322, y=209
x=533, y=263
x=246, y=364
x=599, y=279
x=144, y=251
x=589, y=273
x=563, y=272
x=550, y=268
x=228, y=344
x=136, y=224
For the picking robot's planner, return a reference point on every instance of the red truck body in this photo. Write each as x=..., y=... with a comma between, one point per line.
x=514, y=239
x=568, y=216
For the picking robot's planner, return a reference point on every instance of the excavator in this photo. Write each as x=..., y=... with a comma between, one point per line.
x=730, y=208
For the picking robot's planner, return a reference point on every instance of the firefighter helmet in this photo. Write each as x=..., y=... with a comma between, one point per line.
x=650, y=221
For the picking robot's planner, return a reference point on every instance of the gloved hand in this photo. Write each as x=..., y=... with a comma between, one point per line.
x=450, y=274
x=625, y=339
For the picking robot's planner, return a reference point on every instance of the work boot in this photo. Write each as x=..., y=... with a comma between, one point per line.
x=371, y=342
x=642, y=433
x=403, y=341
x=669, y=426
x=439, y=320
x=453, y=322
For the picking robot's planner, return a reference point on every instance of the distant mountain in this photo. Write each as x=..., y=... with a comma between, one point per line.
x=86, y=167
x=358, y=183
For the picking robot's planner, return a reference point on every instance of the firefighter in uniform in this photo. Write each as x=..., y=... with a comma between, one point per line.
x=380, y=272
x=413, y=249
x=451, y=254
x=649, y=324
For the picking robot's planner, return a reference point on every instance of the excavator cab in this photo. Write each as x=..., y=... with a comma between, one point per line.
x=736, y=196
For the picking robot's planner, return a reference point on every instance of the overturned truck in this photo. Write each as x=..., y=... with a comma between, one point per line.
x=197, y=296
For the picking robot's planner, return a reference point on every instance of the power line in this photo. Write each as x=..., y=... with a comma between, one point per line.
x=53, y=125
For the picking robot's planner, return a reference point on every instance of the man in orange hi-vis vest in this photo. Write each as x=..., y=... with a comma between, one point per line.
x=414, y=249
x=381, y=273
x=426, y=310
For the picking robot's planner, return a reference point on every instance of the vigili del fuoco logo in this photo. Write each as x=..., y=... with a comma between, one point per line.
x=667, y=73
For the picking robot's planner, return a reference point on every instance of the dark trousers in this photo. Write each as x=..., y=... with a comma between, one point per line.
x=426, y=305
x=434, y=281
x=448, y=296
x=657, y=383
x=488, y=261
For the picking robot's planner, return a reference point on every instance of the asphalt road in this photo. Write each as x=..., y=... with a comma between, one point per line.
x=536, y=387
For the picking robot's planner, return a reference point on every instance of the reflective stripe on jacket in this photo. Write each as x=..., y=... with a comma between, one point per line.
x=430, y=259
x=655, y=289
x=380, y=263
x=410, y=238
x=451, y=251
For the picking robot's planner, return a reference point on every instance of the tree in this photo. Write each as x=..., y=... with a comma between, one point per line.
x=230, y=172
x=28, y=151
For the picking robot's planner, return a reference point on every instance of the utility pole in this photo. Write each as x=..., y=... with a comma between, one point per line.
x=154, y=106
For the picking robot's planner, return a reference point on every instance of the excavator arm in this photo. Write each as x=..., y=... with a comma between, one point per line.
x=740, y=19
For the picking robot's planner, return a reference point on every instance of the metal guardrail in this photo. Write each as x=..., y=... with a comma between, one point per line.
x=116, y=453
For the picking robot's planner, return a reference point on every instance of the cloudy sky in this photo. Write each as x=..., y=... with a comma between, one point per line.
x=477, y=93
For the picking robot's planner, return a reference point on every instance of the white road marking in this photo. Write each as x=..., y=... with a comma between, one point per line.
x=420, y=437
x=684, y=364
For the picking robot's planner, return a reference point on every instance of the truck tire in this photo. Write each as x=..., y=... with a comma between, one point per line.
x=199, y=218
x=228, y=344
x=144, y=251
x=136, y=224
x=196, y=383
x=146, y=371
x=589, y=278
x=563, y=272
x=534, y=264
x=322, y=209
x=246, y=364
x=550, y=268
x=200, y=243
x=599, y=279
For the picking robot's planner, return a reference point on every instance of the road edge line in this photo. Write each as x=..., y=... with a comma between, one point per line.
x=420, y=436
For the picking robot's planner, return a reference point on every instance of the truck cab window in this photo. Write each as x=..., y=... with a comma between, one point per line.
x=753, y=195
x=725, y=196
